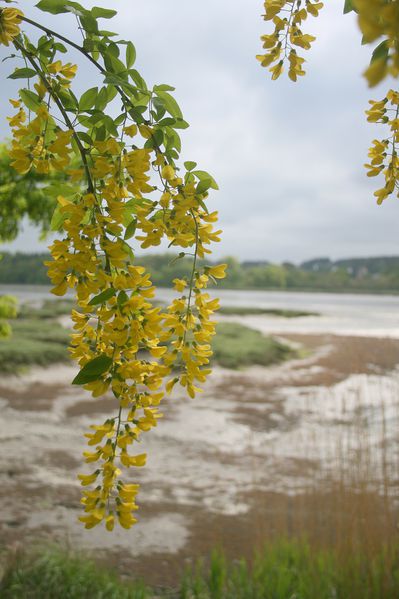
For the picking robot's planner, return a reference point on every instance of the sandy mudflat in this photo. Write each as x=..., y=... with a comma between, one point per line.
x=253, y=438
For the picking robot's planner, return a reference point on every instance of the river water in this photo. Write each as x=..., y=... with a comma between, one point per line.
x=342, y=314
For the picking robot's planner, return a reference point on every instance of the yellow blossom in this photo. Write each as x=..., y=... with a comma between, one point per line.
x=10, y=19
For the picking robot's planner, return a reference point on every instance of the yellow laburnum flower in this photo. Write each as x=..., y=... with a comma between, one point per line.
x=60, y=289
x=131, y=130
x=376, y=72
x=110, y=522
x=179, y=285
x=201, y=281
x=89, y=521
x=170, y=384
x=126, y=520
x=168, y=172
x=159, y=351
x=137, y=460
x=145, y=131
x=218, y=272
x=92, y=456
x=276, y=70
x=88, y=479
x=69, y=70
x=9, y=24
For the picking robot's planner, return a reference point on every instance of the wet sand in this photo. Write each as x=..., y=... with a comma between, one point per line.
x=219, y=467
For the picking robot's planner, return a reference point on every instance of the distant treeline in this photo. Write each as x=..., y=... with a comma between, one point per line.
x=357, y=274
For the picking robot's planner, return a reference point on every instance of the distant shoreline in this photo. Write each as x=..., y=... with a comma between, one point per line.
x=392, y=292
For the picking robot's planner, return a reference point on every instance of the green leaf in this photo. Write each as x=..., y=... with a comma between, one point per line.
x=190, y=165
x=203, y=186
x=88, y=99
x=69, y=99
x=122, y=298
x=348, y=6
x=164, y=88
x=61, y=189
x=157, y=137
x=137, y=78
x=57, y=220
x=167, y=121
x=85, y=137
x=89, y=23
x=30, y=99
x=381, y=51
x=102, y=99
x=102, y=13
x=111, y=92
x=100, y=133
x=170, y=104
x=181, y=124
x=110, y=125
x=130, y=55
x=76, y=8
x=203, y=205
x=172, y=140
x=106, y=33
x=60, y=47
x=102, y=297
x=130, y=230
x=113, y=49
x=113, y=64
x=93, y=370
x=158, y=111
x=45, y=46
x=203, y=175
x=55, y=7
x=24, y=73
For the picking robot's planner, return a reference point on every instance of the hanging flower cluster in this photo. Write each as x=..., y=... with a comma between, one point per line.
x=383, y=153
x=280, y=45
x=127, y=187
x=376, y=19
x=380, y=18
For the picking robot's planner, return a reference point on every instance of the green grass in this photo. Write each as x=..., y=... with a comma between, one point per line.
x=57, y=575
x=282, y=570
x=291, y=570
x=33, y=342
x=250, y=311
x=237, y=346
x=48, y=309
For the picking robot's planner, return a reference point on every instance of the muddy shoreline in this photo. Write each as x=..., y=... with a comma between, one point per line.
x=223, y=468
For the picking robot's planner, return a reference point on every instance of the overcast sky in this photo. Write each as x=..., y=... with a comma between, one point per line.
x=288, y=157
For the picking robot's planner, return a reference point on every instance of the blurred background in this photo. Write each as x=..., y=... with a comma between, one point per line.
x=281, y=479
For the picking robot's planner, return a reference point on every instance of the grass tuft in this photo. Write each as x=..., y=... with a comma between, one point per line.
x=54, y=574
x=237, y=346
x=288, y=569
